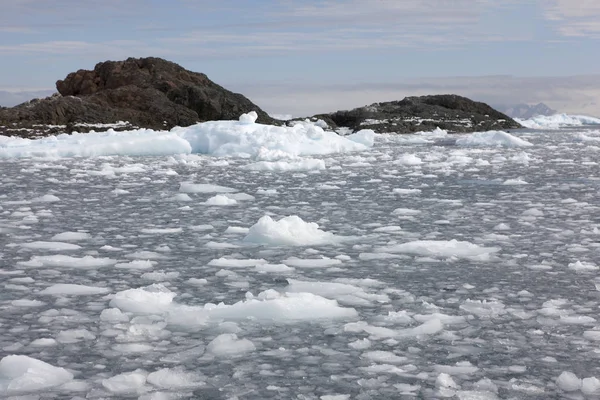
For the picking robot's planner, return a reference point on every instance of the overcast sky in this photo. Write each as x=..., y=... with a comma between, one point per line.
x=305, y=56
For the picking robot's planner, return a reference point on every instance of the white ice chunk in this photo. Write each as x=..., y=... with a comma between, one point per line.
x=306, y=164
x=220, y=200
x=22, y=374
x=51, y=246
x=568, y=382
x=288, y=231
x=492, y=138
x=62, y=261
x=71, y=289
x=442, y=248
x=188, y=187
x=126, y=383
x=174, y=379
x=312, y=262
x=71, y=236
x=228, y=345
x=152, y=299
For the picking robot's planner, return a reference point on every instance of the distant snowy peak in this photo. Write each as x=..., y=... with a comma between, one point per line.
x=526, y=111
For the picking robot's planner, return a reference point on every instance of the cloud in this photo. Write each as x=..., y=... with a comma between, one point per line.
x=574, y=18
x=355, y=25
x=576, y=94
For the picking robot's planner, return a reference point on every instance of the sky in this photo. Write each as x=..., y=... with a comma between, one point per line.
x=303, y=57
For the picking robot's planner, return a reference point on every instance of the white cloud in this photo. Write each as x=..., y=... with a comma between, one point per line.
x=574, y=18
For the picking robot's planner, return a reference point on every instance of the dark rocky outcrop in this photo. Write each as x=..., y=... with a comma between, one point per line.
x=147, y=92
x=425, y=113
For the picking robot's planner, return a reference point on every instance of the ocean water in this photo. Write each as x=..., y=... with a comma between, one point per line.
x=435, y=271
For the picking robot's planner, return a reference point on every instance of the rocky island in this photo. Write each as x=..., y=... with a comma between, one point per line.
x=158, y=94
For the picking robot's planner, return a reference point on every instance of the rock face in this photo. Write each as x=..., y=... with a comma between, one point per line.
x=147, y=92
x=413, y=114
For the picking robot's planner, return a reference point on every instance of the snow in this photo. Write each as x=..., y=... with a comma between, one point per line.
x=23, y=374
x=288, y=231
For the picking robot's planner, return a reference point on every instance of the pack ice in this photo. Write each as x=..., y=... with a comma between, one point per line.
x=237, y=260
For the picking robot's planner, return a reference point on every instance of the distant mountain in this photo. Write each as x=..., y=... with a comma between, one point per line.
x=525, y=111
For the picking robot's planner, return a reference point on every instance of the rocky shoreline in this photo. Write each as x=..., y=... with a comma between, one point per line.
x=158, y=94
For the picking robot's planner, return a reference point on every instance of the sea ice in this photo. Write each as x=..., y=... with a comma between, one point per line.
x=22, y=374
x=492, y=138
x=288, y=231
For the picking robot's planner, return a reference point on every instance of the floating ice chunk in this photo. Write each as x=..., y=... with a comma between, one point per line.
x=188, y=187
x=492, y=138
x=239, y=139
x=288, y=231
x=442, y=248
x=557, y=121
x=579, y=266
x=141, y=142
x=408, y=159
x=360, y=344
x=568, y=382
x=74, y=336
x=161, y=231
x=71, y=236
x=61, y=261
x=406, y=192
x=70, y=289
x=236, y=230
x=48, y=198
x=44, y=342
x=312, y=262
x=220, y=200
x=174, y=378
x=113, y=315
x=281, y=307
x=50, y=246
x=235, y=263
x=23, y=374
x=136, y=265
x=386, y=357
x=273, y=268
x=445, y=380
x=515, y=182
x=335, y=290
x=27, y=303
x=577, y=320
x=590, y=386
x=126, y=383
x=483, y=309
x=430, y=327
x=306, y=164
x=145, y=255
x=406, y=211
x=335, y=397
x=152, y=299
x=460, y=368
x=160, y=276
x=228, y=345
